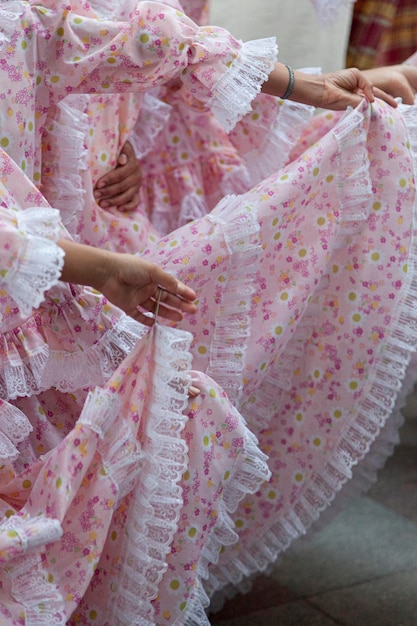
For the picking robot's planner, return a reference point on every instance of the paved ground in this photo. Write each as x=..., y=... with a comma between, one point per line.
x=361, y=570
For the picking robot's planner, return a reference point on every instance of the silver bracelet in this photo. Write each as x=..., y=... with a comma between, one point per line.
x=290, y=86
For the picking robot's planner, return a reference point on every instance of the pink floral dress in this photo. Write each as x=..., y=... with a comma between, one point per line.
x=122, y=502
x=115, y=490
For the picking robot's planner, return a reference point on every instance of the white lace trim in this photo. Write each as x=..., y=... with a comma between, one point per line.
x=8, y=18
x=65, y=189
x=41, y=262
x=69, y=371
x=355, y=194
x=235, y=90
x=372, y=411
x=274, y=153
x=329, y=10
x=118, y=446
x=153, y=116
x=14, y=428
x=157, y=498
x=233, y=323
x=250, y=471
x=28, y=533
x=105, y=9
x=41, y=600
x=280, y=138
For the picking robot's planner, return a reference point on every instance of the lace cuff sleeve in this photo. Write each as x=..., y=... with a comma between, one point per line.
x=237, y=88
x=30, y=260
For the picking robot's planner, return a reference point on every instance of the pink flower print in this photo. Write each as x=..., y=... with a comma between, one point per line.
x=237, y=442
x=68, y=542
x=23, y=96
x=231, y=422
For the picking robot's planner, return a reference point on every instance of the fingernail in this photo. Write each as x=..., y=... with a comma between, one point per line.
x=193, y=391
x=97, y=194
x=104, y=204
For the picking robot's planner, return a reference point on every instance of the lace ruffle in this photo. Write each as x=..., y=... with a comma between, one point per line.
x=249, y=474
x=157, y=498
x=279, y=139
x=235, y=90
x=372, y=412
x=68, y=131
x=233, y=323
x=42, y=602
x=43, y=368
x=14, y=428
x=153, y=116
x=9, y=16
x=266, y=144
x=40, y=265
x=122, y=457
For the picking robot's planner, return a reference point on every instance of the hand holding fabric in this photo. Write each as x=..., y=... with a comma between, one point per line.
x=128, y=281
x=347, y=87
x=398, y=80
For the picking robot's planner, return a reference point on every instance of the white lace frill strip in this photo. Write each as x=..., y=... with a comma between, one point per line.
x=25, y=535
x=156, y=501
x=155, y=507
x=44, y=368
x=235, y=90
x=14, y=428
x=329, y=10
x=41, y=261
x=233, y=322
x=39, y=597
x=118, y=445
x=274, y=152
x=153, y=116
x=68, y=130
x=250, y=472
x=278, y=139
x=382, y=399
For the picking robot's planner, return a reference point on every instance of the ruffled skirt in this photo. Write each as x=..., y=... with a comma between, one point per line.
x=306, y=326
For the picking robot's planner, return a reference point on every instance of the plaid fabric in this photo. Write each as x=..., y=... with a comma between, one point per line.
x=383, y=32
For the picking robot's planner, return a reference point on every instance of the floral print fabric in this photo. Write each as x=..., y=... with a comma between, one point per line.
x=122, y=501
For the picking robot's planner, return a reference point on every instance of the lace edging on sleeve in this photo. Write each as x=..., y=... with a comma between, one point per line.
x=234, y=92
x=41, y=262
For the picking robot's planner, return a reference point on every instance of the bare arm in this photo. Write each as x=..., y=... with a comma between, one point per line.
x=336, y=90
x=128, y=281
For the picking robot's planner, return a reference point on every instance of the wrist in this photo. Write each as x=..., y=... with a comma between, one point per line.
x=290, y=86
x=86, y=265
x=308, y=89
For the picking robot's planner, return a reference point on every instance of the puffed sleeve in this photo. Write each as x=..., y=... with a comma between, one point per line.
x=30, y=260
x=75, y=51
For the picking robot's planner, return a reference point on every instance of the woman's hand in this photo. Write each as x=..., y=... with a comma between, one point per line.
x=120, y=187
x=133, y=284
x=400, y=81
x=136, y=285
x=338, y=90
